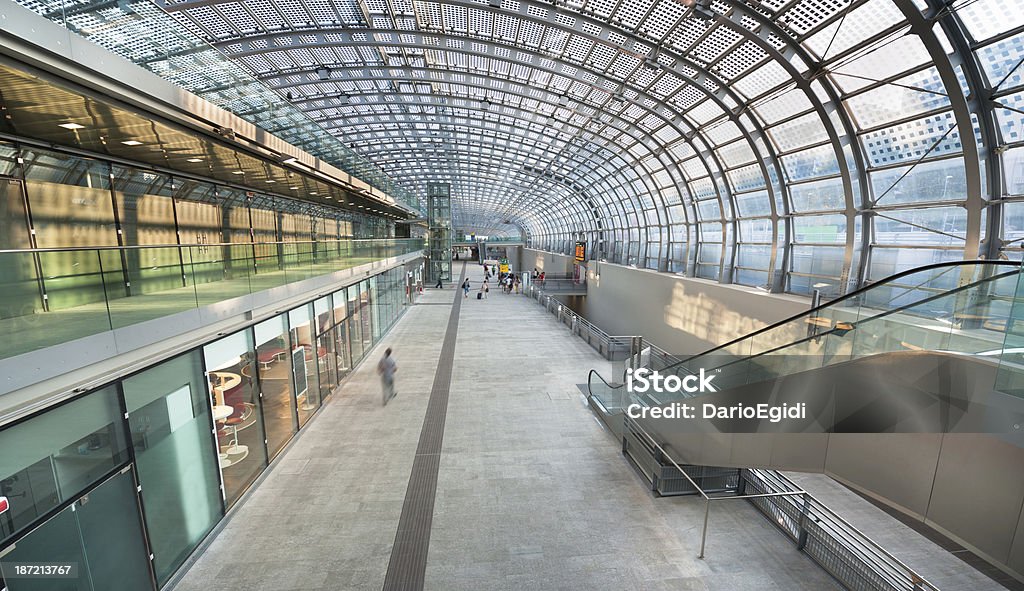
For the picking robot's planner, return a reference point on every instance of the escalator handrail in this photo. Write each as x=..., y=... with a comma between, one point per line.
x=857, y=292
x=883, y=314
x=813, y=311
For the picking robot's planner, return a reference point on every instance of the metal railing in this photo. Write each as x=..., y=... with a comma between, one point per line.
x=559, y=285
x=851, y=557
x=50, y=296
x=855, y=560
x=611, y=347
x=841, y=549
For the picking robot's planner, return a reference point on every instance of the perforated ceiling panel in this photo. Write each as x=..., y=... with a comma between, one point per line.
x=607, y=121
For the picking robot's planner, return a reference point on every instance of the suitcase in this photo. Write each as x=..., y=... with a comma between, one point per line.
x=479, y=296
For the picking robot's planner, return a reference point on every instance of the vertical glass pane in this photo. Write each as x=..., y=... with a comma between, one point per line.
x=146, y=212
x=70, y=200
x=341, y=339
x=354, y=324
x=376, y=303
x=108, y=521
x=52, y=457
x=304, y=366
x=19, y=289
x=365, y=315
x=231, y=368
x=326, y=364
x=169, y=418
x=276, y=382
x=57, y=540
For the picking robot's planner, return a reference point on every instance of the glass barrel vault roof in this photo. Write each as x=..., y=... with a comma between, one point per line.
x=787, y=144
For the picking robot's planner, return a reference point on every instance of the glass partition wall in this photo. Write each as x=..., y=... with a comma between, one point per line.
x=131, y=244
x=150, y=463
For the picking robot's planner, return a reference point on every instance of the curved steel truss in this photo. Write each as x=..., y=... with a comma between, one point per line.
x=788, y=144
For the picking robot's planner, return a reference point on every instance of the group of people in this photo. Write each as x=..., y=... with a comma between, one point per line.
x=537, y=277
x=509, y=282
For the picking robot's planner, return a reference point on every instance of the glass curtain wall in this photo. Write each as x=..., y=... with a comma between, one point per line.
x=275, y=362
x=340, y=335
x=305, y=374
x=234, y=392
x=169, y=422
x=188, y=433
x=327, y=364
x=52, y=469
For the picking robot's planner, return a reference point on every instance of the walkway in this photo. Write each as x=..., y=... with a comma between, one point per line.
x=532, y=493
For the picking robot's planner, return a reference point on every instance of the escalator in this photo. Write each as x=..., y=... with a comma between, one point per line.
x=913, y=393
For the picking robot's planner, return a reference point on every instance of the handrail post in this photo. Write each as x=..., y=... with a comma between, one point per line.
x=801, y=536
x=704, y=533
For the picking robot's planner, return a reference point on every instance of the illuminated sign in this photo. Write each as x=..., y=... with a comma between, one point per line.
x=581, y=252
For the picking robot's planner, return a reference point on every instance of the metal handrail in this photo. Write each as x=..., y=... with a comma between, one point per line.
x=884, y=560
x=867, y=545
x=855, y=293
x=204, y=245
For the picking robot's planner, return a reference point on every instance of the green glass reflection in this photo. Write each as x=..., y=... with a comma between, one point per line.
x=169, y=419
x=52, y=457
x=100, y=534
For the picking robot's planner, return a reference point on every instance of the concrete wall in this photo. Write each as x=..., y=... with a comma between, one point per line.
x=679, y=314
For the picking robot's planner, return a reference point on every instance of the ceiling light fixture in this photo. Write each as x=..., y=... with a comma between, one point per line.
x=132, y=143
x=194, y=160
x=238, y=172
x=71, y=126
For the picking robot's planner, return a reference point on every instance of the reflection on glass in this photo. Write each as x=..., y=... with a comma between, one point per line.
x=355, y=335
x=276, y=382
x=340, y=335
x=231, y=366
x=365, y=316
x=56, y=455
x=169, y=418
x=101, y=534
x=304, y=362
x=326, y=361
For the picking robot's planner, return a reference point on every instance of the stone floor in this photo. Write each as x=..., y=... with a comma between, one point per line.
x=532, y=492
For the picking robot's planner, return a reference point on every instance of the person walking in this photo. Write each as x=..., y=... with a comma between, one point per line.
x=387, y=367
x=516, y=283
x=465, y=288
x=439, y=285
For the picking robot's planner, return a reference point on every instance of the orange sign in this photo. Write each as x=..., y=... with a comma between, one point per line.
x=581, y=252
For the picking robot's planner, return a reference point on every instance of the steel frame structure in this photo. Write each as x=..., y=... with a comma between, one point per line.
x=788, y=144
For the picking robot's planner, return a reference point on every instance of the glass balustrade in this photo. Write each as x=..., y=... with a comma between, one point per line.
x=968, y=308
x=51, y=296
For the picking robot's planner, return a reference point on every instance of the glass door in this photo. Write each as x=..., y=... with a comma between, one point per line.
x=99, y=535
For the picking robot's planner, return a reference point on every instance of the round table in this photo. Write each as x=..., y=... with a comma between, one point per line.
x=221, y=413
